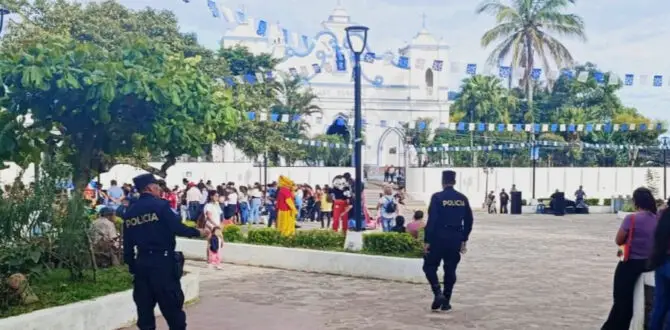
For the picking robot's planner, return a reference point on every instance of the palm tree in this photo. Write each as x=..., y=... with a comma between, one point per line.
x=293, y=99
x=523, y=32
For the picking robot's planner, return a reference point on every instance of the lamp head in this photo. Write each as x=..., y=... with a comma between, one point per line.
x=4, y=11
x=357, y=38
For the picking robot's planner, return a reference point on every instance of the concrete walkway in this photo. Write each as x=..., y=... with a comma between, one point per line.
x=521, y=272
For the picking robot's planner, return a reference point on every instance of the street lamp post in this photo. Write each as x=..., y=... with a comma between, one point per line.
x=665, y=167
x=3, y=12
x=534, y=154
x=357, y=37
x=487, y=171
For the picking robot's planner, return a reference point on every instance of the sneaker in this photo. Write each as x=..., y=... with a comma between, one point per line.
x=219, y=268
x=437, y=302
x=445, y=307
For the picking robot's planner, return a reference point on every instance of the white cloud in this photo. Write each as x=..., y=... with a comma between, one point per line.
x=623, y=36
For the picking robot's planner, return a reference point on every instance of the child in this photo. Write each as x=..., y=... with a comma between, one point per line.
x=215, y=244
x=399, y=224
x=417, y=223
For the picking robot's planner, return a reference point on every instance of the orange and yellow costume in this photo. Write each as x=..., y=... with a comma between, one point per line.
x=286, y=210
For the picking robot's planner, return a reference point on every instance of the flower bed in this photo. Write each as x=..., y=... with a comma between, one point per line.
x=386, y=244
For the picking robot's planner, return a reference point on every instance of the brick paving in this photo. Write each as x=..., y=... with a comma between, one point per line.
x=521, y=272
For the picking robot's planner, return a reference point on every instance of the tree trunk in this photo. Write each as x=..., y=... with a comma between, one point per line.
x=528, y=76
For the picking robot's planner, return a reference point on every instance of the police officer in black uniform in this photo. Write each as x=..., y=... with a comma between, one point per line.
x=151, y=226
x=446, y=233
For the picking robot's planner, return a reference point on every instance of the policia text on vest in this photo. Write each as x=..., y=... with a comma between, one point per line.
x=447, y=231
x=150, y=229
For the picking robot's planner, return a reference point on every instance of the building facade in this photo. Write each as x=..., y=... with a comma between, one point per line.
x=392, y=93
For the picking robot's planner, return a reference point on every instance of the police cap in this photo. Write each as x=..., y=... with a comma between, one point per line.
x=142, y=181
x=448, y=177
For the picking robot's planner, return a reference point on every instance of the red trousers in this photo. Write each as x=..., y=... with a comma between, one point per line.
x=339, y=208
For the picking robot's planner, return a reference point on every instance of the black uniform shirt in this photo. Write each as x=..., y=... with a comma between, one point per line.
x=448, y=211
x=151, y=225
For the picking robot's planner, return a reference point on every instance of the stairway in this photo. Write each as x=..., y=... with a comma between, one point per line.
x=374, y=187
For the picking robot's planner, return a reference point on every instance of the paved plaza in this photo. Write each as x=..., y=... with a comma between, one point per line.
x=521, y=272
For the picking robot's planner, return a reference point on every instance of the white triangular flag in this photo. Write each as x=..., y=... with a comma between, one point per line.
x=471, y=127
x=510, y=128
x=561, y=128
x=545, y=127
x=583, y=76
x=580, y=128
x=527, y=127
x=452, y=126
x=631, y=127
x=598, y=127
x=615, y=128
x=284, y=118
x=492, y=127
x=263, y=116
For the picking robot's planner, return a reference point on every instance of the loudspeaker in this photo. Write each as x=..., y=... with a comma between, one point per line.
x=516, y=202
x=559, y=203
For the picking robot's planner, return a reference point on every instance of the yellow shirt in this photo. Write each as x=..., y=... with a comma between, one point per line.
x=325, y=206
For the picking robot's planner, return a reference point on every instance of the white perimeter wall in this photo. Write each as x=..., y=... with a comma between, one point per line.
x=421, y=182
x=598, y=182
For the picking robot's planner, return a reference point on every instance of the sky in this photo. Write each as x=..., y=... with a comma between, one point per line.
x=623, y=36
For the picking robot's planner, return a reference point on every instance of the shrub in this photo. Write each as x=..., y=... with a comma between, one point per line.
x=232, y=234
x=592, y=201
x=265, y=236
x=524, y=202
x=318, y=239
x=392, y=244
x=607, y=202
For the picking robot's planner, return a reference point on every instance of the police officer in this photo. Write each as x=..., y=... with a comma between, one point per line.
x=150, y=226
x=446, y=233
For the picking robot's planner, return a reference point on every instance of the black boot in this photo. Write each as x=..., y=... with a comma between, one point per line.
x=446, y=303
x=438, y=300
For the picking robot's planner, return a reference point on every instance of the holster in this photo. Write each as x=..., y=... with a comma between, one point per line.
x=179, y=264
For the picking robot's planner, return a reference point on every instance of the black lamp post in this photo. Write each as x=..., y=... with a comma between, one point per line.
x=3, y=12
x=534, y=154
x=357, y=47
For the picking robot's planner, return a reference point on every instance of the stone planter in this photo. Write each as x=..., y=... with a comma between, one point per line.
x=109, y=312
x=325, y=262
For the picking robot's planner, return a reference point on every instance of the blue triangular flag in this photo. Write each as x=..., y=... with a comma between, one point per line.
x=262, y=28
x=212, y=7
x=628, y=79
x=471, y=69
x=251, y=115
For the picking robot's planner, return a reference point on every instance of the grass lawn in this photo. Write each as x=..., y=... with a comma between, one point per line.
x=56, y=289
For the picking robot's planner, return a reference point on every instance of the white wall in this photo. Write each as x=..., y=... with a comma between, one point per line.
x=240, y=173
x=598, y=182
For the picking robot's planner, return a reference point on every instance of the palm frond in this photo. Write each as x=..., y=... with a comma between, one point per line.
x=499, y=32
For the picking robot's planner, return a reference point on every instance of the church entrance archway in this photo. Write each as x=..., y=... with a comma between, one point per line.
x=340, y=127
x=391, y=148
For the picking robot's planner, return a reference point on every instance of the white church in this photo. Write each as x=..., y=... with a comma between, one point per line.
x=392, y=94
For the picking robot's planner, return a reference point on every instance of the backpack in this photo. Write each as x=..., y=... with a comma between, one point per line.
x=390, y=206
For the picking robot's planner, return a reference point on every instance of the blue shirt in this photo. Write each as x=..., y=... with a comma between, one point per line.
x=115, y=192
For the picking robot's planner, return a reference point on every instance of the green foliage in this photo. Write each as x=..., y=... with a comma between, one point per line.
x=607, y=202
x=592, y=201
x=265, y=236
x=322, y=156
x=392, y=244
x=232, y=234
x=114, y=82
x=318, y=239
x=55, y=288
x=628, y=207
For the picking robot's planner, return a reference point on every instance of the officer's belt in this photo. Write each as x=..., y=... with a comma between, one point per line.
x=155, y=253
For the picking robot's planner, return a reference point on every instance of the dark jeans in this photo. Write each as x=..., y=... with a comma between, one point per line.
x=325, y=215
x=194, y=211
x=625, y=277
x=659, y=314
x=503, y=208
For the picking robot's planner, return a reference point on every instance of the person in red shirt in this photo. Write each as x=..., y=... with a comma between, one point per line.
x=171, y=197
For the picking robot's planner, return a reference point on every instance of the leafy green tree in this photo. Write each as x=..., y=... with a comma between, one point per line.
x=328, y=155
x=483, y=99
x=110, y=103
x=524, y=32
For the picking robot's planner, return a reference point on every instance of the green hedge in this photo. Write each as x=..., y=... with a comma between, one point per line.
x=607, y=202
x=232, y=234
x=392, y=244
x=389, y=244
x=592, y=201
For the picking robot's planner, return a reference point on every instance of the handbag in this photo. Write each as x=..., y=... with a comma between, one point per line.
x=624, y=249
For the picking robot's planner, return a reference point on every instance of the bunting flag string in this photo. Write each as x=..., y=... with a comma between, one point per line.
x=478, y=127
x=296, y=42
x=494, y=147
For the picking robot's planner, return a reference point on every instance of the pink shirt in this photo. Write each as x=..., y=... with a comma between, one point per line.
x=414, y=227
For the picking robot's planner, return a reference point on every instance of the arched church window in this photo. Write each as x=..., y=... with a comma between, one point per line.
x=429, y=78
